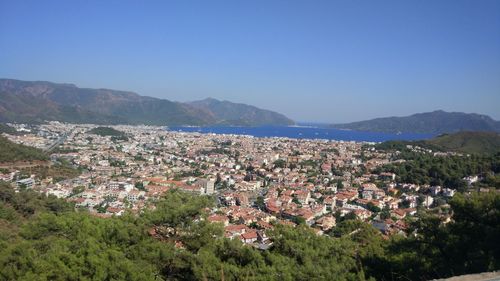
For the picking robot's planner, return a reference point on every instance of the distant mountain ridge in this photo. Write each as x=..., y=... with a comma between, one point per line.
x=37, y=101
x=240, y=114
x=436, y=122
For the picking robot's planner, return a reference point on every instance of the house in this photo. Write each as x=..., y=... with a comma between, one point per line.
x=262, y=237
x=7, y=177
x=228, y=200
x=115, y=211
x=59, y=193
x=371, y=191
x=341, y=200
x=428, y=200
x=410, y=211
x=332, y=188
x=249, y=237
x=207, y=186
x=329, y=202
x=435, y=190
x=27, y=183
x=326, y=222
x=448, y=192
x=241, y=199
x=303, y=196
x=362, y=214
x=264, y=225
x=471, y=179
x=120, y=185
x=319, y=210
x=398, y=213
x=273, y=207
x=392, y=204
x=307, y=215
x=219, y=218
x=388, y=176
x=252, y=185
x=89, y=194
x=234, y=230
x=135, y=195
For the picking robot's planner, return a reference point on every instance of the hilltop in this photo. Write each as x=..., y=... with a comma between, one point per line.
x=469, y=142
x=436, y=122
x=462, y=142
x=229, y=113
x=38, y=101
x=13, y=152
x=106, y=131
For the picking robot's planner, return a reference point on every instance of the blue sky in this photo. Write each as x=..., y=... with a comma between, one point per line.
x=325, y=61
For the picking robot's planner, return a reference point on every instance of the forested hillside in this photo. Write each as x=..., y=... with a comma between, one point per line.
x=468, y=142
x=39, y=101
x=45, y=239
x=12, y=152
x=421, y=167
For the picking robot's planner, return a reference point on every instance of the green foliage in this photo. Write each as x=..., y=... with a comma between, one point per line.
x=58, y=171
x=300, y=254
x=446, y=171
x=370, y=206
x=12, y=152
x=77, y=190
x=140, y=186
x=78, y=246
x=43, y=238
x=60, y=244
x=177, y=208
x=28, y=202
x=106, y=131
x=481, y=143
x=468, y=244
x=469, y=142
x=280, y=163
x=259, y=203
x=4, y=128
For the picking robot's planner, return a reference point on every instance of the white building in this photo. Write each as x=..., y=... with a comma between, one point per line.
x=28, y=183
x=207, y=186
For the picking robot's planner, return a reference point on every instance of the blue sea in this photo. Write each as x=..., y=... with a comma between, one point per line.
x=304, y=132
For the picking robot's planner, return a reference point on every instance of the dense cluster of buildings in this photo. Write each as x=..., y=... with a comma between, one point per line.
x=257, y=182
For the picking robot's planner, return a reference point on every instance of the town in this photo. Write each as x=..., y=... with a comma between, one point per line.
x=256, y=182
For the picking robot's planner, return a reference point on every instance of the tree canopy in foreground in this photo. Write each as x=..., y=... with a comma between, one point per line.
x=44, y=238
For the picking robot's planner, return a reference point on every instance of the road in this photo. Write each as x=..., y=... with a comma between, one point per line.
x=58, y=142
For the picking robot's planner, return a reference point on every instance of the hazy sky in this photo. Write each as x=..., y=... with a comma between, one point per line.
x=329, y=61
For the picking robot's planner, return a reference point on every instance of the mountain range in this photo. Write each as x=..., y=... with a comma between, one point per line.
x=38, y=101
x=436, y=122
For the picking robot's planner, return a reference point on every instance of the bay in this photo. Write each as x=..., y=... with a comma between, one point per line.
x=303, y=132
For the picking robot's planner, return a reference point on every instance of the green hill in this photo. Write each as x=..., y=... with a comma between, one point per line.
x=106, y=131
x=436, y=122
x=468, y=142
x=462, y=142
x=13, y=152
x=7, y=129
